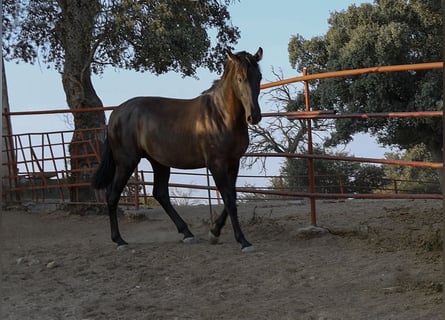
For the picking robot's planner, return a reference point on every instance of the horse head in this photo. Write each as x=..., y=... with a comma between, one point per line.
x=246, y=82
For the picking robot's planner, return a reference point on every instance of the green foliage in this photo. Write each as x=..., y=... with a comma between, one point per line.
x=155, y=36
x=333, y=176
x=413, y=179
x=387, y=32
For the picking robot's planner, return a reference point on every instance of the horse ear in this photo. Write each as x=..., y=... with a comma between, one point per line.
x=230, y=55
x=259, y=54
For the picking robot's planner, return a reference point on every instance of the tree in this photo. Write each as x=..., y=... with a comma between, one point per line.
x=280, y=134
x=386, y=32
x=6, y=142
x=333, y=176
x=81, y=37
x=413, y=179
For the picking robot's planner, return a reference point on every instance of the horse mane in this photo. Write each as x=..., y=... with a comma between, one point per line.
x=212, y=88
x=244, y=60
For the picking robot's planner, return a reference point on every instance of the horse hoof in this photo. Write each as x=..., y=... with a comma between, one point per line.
x=248, y=249
x=212, y=238
x=189, y=240
x=122, y=247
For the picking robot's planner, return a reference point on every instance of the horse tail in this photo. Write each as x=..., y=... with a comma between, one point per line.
x=106, y=169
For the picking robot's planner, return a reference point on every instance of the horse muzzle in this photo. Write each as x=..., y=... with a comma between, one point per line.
x=254, y=118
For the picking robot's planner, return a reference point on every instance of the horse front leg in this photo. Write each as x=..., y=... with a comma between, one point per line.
x=219, y=223
x=225, y=179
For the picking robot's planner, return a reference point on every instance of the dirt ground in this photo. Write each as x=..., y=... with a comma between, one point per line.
x=376, y=260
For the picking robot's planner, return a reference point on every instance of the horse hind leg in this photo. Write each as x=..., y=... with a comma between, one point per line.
x=161, y=176
x=114, y=191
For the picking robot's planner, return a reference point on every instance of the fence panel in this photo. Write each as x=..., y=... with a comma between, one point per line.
x=39, y=164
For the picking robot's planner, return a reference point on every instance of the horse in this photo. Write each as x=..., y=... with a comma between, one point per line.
x=210, y=131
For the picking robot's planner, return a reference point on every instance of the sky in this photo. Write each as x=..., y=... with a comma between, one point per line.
x=266, y=24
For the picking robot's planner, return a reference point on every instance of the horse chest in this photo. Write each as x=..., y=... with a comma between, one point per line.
x=229, y=145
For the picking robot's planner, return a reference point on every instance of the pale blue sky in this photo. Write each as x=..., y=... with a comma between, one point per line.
x=268, y=24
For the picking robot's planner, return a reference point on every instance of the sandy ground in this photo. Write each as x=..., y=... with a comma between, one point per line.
x=377, y=260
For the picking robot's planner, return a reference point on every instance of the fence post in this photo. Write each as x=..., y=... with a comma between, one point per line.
x=310, y=152
x=281, y=183
x=136, y=187
x=395, y=186
x=340, y=183
x=209, y=194
x=442, y=170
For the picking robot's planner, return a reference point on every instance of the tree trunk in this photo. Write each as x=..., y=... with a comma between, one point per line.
x=8, y=172
x=76, y=35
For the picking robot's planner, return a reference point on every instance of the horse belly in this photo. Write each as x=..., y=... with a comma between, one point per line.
x=189, y=160
x=175, y=153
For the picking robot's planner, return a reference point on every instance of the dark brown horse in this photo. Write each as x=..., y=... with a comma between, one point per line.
x=207, y=131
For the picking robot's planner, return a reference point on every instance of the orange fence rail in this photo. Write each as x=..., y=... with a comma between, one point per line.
x=355, y=72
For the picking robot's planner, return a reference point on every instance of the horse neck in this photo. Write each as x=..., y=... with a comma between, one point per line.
x=229, y=105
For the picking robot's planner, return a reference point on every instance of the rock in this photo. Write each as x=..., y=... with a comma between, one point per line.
x=311, y=232
x=51, y=264
x=394, y=289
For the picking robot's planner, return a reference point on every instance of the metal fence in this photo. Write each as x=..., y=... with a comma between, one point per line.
x=39, y=169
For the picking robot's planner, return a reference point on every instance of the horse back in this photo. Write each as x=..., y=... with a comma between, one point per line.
x=174, y=132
